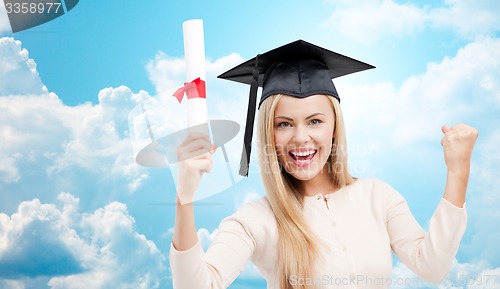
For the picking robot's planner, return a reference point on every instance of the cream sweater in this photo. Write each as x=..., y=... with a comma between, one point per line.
x=361, y=223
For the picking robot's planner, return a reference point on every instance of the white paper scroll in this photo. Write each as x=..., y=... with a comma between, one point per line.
x=159, y=126
x=194, y=57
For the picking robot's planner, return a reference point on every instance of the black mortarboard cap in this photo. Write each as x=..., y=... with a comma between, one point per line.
x=298, y=69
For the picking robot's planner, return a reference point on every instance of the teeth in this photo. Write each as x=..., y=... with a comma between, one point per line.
x=302, y=154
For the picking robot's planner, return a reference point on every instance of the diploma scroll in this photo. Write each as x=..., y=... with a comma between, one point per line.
x=194, y=57
x=158, y=127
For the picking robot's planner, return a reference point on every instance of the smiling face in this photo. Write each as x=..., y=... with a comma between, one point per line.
x=303, y=132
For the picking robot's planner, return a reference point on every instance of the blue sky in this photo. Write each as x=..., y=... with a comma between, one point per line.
x=68, y=181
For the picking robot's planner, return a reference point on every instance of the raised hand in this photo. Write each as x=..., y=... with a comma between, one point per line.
x=195, y=158
x=458, y=142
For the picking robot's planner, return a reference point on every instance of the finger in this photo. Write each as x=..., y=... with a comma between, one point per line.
x=194, y=148
x=195, y=136
x=198, y=144
x=445, y=129
x=195, y=155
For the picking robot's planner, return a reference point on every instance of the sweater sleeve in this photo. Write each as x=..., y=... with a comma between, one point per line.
x=428, y=254
x=224, y=260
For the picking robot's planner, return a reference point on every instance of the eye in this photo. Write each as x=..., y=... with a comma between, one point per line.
x=315, y=122
x=283, y=124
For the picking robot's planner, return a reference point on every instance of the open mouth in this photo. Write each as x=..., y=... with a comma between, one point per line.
x=302, y=158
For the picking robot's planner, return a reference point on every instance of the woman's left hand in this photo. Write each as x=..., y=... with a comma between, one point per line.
x=458, y=142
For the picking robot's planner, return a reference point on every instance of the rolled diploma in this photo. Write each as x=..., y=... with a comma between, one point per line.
x=194, y=56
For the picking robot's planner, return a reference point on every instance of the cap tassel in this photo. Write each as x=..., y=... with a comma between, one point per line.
x=247, y=139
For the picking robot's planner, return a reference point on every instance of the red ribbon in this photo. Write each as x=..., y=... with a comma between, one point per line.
x=193, y=89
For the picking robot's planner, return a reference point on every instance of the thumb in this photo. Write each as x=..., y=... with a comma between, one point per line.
x=445, y=129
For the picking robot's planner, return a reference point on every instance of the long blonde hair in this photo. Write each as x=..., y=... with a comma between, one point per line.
x=298, y=246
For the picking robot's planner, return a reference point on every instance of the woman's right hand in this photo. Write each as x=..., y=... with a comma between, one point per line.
x=194, y=156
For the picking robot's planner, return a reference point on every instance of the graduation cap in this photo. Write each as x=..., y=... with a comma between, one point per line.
x=298, y=69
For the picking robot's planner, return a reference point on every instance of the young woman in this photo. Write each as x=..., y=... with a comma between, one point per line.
x=317, y=226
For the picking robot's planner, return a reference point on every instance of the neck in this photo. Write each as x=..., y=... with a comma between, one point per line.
x=322, y=183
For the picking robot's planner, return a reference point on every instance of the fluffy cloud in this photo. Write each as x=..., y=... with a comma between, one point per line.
x=98, y=135
x=35, y=242
x=367, y=21
x=461, y=275
x=11, y=284
x=36, y=127
x=469, y=18
x=248, y=197
x=206, y=237
x=40, y=129
x=18, y=72
x=462, y=88
x=78, y=250
x=483, y=202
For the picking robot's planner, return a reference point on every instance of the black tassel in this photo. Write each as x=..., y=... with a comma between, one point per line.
x=247, y=139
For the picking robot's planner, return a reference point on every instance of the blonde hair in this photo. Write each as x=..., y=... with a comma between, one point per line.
x=298, y=245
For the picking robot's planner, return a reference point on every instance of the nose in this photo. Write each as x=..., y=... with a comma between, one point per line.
x=301, y=135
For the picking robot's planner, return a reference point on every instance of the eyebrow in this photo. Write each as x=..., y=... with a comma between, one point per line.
x=312, y=115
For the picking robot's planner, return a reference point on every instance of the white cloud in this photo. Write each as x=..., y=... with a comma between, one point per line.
x=248, y=197
x=40, y=129
x=368, y=21
x=206, y=237
x=450, y=91
x=27, y=237
x=8, y=170
x=11, y=284
x=402, y=277
x=469, y=18
x=166, y=73
x=17, y=70
x=483, y=201
x=461, y=275
x=365, y=21
x=89, y=250
x=37, y=128
x=111, y=234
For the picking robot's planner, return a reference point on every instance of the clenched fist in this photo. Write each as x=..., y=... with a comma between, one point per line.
x=458, y=142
